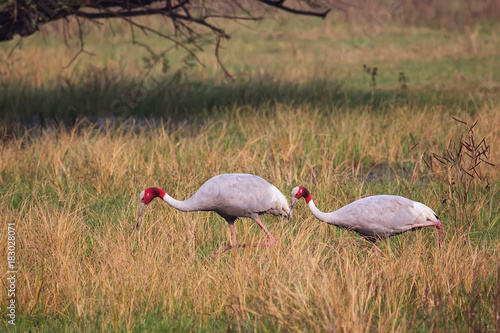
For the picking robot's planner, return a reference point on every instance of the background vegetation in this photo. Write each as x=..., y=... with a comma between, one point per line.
x=81, y=139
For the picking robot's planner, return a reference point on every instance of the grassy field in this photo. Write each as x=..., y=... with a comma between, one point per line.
x=78, y=144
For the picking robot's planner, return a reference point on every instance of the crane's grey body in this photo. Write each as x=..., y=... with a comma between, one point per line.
x=236, y=195
x=381, y=216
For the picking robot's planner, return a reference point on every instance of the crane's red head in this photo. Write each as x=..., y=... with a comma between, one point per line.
x=299, y=192
x=149, y=194
x=146, y=197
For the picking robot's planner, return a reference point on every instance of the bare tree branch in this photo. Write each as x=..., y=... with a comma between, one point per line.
x=280, y=5
x=24, y=17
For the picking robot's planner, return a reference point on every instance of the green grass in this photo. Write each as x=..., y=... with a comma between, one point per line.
x=299, y=113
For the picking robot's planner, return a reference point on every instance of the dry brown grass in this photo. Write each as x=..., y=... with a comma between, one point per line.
x=73, y=196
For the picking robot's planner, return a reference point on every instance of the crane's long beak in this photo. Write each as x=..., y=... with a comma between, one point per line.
x=142, y=210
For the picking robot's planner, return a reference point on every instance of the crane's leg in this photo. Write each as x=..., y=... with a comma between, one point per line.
x=270, y=242
x=375, y=248
x=233, y=234
x=373, y=241
x=233, y=237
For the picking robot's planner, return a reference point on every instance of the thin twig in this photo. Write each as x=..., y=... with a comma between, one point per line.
x=219, y=37
x=82, y=44
x=460, y=121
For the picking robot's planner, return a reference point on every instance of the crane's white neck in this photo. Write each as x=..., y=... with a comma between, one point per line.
x=177, y=204
x=325, y=217
x=316, y=212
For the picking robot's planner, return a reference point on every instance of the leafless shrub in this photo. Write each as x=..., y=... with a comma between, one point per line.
x=461, y=167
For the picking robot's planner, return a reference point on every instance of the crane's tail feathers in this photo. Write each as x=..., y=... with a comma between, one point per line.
x=142, y=210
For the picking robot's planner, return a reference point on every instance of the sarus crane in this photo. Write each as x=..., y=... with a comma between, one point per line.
x=232, y=196
x=375, y=217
